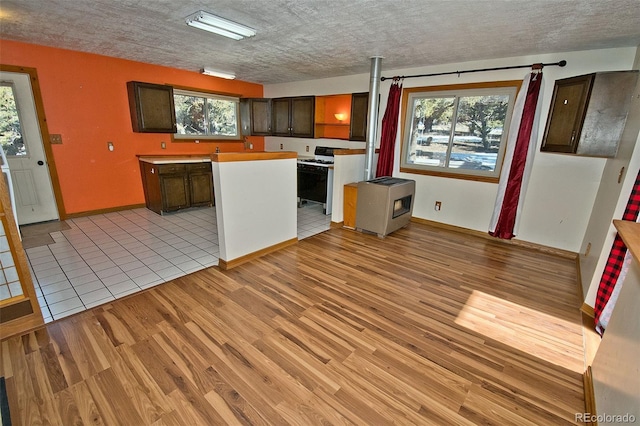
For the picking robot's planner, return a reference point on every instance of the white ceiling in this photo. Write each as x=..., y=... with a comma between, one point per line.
x=311, y=39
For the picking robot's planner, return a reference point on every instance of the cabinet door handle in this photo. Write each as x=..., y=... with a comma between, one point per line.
x=573, y=136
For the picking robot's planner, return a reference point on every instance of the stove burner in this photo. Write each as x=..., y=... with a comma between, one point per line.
x=317, y=161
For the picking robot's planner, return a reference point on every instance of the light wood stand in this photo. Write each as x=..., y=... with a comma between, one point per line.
x=350, y=203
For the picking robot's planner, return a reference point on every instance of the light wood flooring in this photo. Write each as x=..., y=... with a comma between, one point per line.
x=426, y=326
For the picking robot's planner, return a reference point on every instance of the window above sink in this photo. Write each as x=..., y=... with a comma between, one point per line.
x=206, y=116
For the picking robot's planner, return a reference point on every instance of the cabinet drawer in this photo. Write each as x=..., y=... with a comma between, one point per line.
x=199, y=167
x=165, y=169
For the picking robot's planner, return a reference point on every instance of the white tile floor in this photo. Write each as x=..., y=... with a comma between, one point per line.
x=107, y=256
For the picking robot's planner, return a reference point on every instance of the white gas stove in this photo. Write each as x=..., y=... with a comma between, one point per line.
x=323, y=157
x=315, y=178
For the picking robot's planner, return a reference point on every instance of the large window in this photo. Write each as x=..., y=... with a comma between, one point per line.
x=205, y=116
x=457, y=131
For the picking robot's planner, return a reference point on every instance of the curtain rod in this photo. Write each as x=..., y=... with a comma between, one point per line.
x=534, y=66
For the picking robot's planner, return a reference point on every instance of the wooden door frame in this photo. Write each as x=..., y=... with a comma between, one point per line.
x=44, y=132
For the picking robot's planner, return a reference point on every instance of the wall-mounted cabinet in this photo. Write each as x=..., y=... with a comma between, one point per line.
x=588, y=113
x=255, y=115
x=293, y=116
x=307, y=116
x=359, y=114
x=151, y=107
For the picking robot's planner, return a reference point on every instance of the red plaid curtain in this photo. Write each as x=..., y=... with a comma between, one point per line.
x=616, y=256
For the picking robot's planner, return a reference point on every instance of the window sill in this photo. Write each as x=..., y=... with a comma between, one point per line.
x=449, y=175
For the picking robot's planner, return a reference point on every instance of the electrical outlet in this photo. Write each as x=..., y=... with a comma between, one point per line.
x=163, y=145
x=307, y=148
x=281, y=146
x=110, y=146
x=438, y=206
x=55, y=138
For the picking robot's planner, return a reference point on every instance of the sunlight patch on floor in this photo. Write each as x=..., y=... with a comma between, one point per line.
x=515, y=325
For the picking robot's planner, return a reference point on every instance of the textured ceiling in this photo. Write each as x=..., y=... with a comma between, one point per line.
x=311, y=39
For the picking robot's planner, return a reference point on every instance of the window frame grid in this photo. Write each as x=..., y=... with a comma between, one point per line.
x=456, y=91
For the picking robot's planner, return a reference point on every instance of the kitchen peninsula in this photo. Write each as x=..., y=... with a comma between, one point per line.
x=256, y=204
x=255, y=194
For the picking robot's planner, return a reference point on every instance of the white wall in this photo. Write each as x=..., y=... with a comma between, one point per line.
x=299, y=145
x=611, y=201
x=595, y=263
x=562, y=188
x=256, y=205
x=615, y=368
x=616, y=375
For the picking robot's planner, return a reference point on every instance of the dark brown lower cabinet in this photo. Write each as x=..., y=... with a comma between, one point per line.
x=171, y=187
x=200, y=184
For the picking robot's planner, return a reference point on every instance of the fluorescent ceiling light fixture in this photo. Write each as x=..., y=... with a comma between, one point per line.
x=215, y=24
x=221, y=74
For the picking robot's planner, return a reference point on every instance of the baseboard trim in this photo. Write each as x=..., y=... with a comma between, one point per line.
x=579, y=278
x=229, y=264
x=539, y=247
x=589, y=395
x=103, y=211
x=590, y=338
x=588, y=310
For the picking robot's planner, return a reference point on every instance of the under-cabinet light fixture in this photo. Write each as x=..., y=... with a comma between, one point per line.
x=221, y=74
x=215, y=24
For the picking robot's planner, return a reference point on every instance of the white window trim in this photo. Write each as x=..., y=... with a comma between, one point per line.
x=208, y=95
x=460, y=90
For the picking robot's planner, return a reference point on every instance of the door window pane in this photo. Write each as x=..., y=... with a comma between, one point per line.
x=10, y=128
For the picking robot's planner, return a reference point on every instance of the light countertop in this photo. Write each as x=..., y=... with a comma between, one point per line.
x=170, y=159
x=630, y=234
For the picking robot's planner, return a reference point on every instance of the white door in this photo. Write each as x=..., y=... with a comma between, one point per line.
x=22, y=142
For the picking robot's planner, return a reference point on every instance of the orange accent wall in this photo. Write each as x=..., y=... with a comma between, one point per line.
x=327, y=125
x=85, y=100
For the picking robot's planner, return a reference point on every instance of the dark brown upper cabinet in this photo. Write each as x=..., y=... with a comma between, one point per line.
x=151, y=106
x=359, y=112
x=588, y=113
x=293, y=116
x=305, y=117
x=255, y=115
